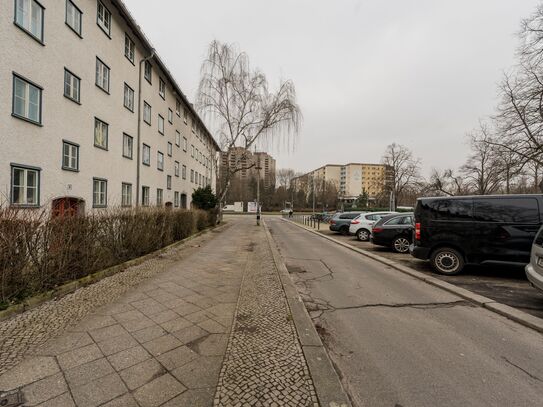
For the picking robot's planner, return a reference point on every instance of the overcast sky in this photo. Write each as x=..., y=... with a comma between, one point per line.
x=367, y=73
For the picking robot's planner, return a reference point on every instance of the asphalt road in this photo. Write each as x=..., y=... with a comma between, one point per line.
x=397, y=341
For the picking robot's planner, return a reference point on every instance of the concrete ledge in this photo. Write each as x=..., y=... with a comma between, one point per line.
x=504, y=310
x=328, y=386
x=70, y=287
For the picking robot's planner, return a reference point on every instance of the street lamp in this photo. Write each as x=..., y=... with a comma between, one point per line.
x=258, y=168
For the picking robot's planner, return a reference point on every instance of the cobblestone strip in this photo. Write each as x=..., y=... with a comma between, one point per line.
x=264, y=363
x=25, y=332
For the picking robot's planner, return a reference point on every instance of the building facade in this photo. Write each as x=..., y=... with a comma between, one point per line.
x=248, y=162
x=91, y=116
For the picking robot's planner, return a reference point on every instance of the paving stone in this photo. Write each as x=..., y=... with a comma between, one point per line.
x=159, y=391
x=128, y=316
x=177, y=357
x=29, y=371
x=93, y=322
x=200, y=373
x=124, y=401
x=194, y=398
x=128, y=357
x=174, y=325
x=137, y=324
x=99, y=391
x=212, y=326
x=108, y=332
x=162, y=344
x=45, y=389
x=64, y=400
x=88, y=372
x=79, y=356
x=190, y=334
x=199, y=316
x=142, y=373
x=164, y=316
x=186, y=309
x=211, y=345
x=149, y=333
x=65, y=343
x=117, y=344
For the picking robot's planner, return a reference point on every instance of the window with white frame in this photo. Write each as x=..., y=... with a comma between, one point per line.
x=161, y=124
x=128, y=146
x=160, y=161
x=176, y=168
x=25, y=186
x=178, y=107
x=148, y=72
x=147, y=113
x=72, y=86
x=104, y=18
x=176, y=199
x=129, y=48
x=99, y=193
x=177, y=138
x=170, y=149
x=70, y=156
x=128, y=97
x=102, y=75
x=162, y=89
x=185, y=142
x=29, y=17
x=100, y=133
x=185, y=116
x=73, y=17
x=126, y=194
x=159, y=197
x=191, y=175
x=145, y=196
x=192, y=150
x=26, y=100
x=146, y=155
x=184, y=172
x=168, y=181
x=170, y=116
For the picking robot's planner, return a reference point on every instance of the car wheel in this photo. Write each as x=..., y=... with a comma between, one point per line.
x=447, y=261
x=401, y=244
x=363, y=235
x=344, y=230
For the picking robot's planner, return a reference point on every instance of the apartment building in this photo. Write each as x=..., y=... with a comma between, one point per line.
x=92, y=117
x=239, y=157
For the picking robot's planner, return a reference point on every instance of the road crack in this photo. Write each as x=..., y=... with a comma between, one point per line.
x=522, y=369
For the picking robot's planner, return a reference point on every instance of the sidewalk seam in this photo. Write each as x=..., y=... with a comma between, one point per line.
x=495, y=307
x=328, y=386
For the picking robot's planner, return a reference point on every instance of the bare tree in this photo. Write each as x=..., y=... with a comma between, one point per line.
x=245, y=112
x=405, y=170
x=284, y=176
x=446, y=182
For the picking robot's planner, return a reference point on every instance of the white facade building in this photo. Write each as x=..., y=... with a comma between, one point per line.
x=90, y=116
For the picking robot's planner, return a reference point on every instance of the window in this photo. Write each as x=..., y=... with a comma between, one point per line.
x=148, y=71
x=29, y=17
x=191, y=175
x=102, y=75
x=161, y=124
x=178, y=107
x=184, y=172
x=160, y=161
x=185, y=116
x=170, y=116
x=128, y=146
x=99, y=193
x=177, y=138
x=176, y=199
x=128, y=97
x=26, y=100
x=162, y=89
x=147, y=113
x=506, y=210
x=25, y=186
x=170, y=149
x=72, y=85
x=100, y=133
x=176, y=168
x=169, y=181
x=126, y=194
x=104, y=18
x=145, y=196
x=146, y=155
x=159, y=197
x=70, y=156
x=73, y=17
x=192, y=150
x=185, y=144
x=192, y=124
x=129, y=48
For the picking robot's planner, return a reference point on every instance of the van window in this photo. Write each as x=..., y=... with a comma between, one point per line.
x=349, y=216
x=512, y=210
x=450, y=209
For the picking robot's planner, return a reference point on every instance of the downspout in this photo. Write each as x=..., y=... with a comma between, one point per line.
x=138, y=139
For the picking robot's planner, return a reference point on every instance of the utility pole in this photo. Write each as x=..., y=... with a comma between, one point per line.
x=258, y=168
x=313, y=194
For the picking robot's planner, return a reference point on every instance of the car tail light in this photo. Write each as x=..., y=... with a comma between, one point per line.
x=376, y=230
x=355, y=222
x=332, y=222
x=417, y=231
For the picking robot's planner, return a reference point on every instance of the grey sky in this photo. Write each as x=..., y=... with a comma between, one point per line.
x=367, y=73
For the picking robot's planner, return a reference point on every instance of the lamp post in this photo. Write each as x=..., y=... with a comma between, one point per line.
x=258, y=168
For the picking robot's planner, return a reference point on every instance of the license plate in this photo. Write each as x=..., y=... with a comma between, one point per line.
x=540, y=261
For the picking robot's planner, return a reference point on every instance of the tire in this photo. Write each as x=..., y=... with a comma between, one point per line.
x=344, y=230
x=447, y=261
x=400, y=244
x=363, y=235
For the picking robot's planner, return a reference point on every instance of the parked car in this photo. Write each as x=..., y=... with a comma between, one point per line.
x=362, y=224
x=534, y=269
x=455, y=231
x=340, y=221
x=394, y=231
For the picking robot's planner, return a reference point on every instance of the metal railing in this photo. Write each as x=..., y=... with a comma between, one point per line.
x=307, y=220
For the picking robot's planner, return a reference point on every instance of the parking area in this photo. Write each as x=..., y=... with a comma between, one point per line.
x=505, y=284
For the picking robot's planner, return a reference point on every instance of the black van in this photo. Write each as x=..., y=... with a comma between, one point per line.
x=454, y=231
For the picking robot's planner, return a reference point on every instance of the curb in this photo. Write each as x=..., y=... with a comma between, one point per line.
x=330, y=392
x=511, y=313
x=72, y=286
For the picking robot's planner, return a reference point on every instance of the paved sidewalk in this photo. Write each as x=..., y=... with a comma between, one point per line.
x=166, y=336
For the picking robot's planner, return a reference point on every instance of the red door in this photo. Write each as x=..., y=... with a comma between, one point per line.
x=65, y=207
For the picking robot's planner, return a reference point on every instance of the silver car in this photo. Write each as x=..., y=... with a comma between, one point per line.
x=534, y=270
